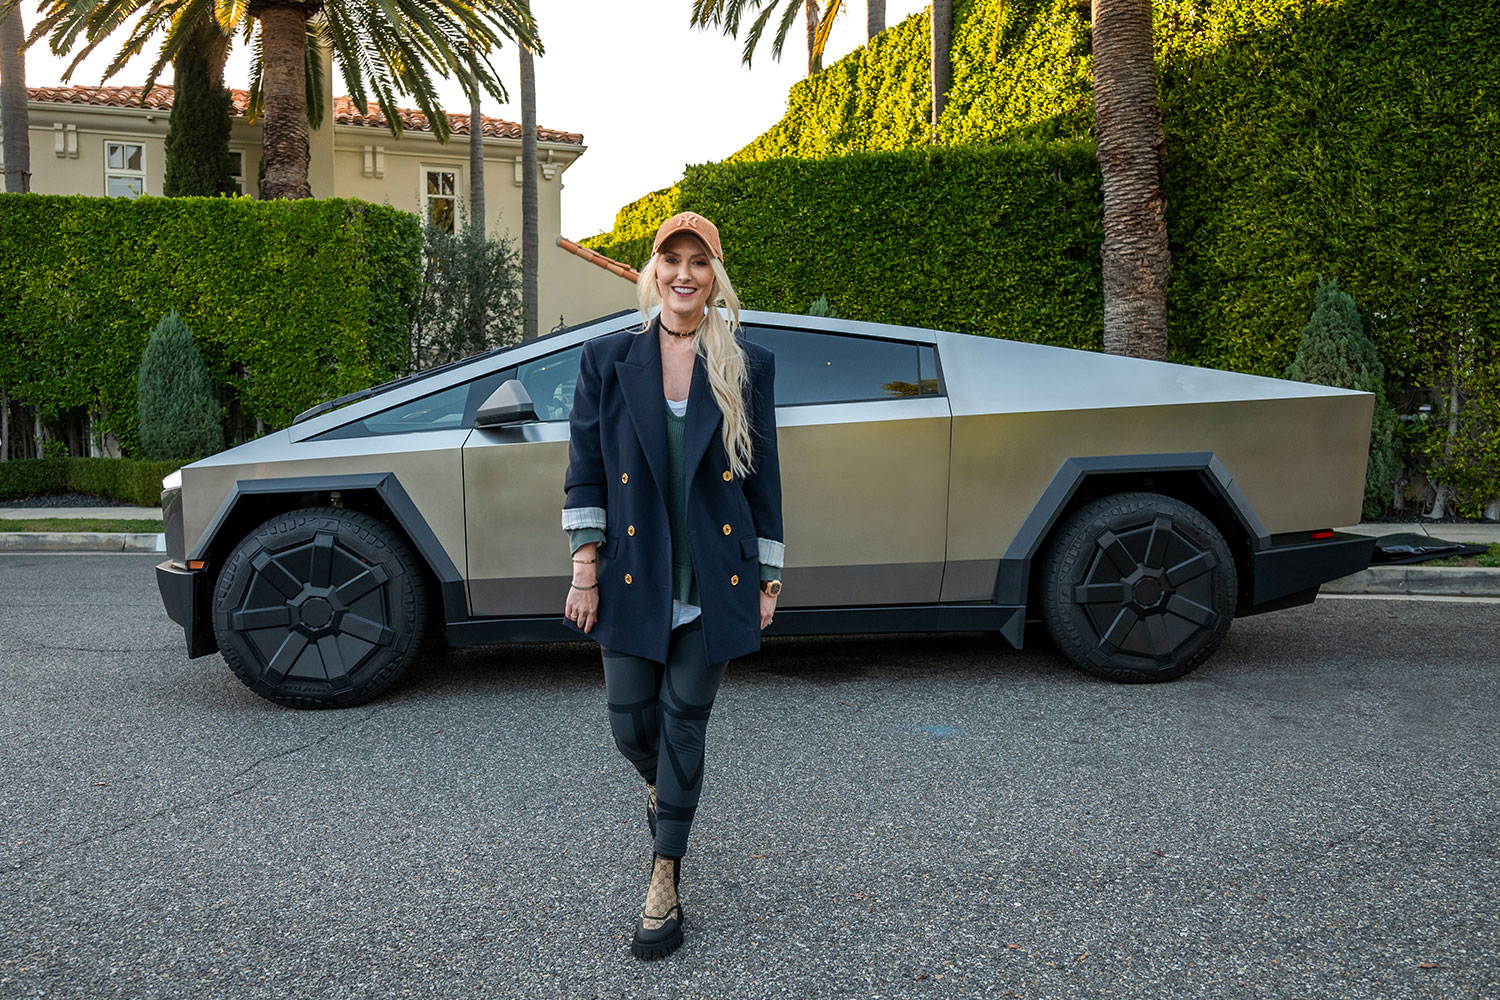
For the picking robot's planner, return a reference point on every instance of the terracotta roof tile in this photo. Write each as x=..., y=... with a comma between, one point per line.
x=345, y=112
x=595, y=257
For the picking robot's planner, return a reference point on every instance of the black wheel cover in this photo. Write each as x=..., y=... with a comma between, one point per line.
x=1138, y=587
x=319, y=608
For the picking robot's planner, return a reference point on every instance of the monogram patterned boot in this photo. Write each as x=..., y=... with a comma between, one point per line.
x=658, y=930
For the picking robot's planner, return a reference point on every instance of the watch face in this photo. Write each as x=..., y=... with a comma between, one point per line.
x=773, y=588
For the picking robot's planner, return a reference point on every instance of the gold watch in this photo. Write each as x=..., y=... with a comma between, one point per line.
x=771, y=588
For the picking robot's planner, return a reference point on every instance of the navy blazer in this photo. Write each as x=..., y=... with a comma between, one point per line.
x=617, y=471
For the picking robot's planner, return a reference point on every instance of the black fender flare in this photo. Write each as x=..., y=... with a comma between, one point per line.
x=385, y=485
x=1013, y=579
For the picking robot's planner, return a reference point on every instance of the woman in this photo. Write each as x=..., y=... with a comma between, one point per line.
x=673, y=513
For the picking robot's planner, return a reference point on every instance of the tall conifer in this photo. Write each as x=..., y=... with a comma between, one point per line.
x=178, y=411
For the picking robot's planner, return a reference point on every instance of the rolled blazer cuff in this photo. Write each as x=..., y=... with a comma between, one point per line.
x=772, y=552
x=583, y=517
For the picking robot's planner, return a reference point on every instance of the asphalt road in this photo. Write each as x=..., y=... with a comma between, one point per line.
x=1311, y=814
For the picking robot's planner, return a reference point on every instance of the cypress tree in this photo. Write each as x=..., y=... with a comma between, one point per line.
x=197, y=143
x=177, y=410
x=1335, y=351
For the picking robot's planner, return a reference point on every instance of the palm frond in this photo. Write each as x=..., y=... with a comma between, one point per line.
x=787, y=20
x=825, y=27
x=312, y=70
x=756, y=30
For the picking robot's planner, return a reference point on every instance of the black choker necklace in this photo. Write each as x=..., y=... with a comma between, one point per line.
x=667, y=329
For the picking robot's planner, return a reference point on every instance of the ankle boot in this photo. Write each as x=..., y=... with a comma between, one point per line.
x=651, y=809
x=658, y=930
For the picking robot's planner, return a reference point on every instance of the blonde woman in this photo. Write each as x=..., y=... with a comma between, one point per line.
x=673, y=513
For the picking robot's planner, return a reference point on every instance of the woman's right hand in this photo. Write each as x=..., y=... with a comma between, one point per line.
x=582, y=607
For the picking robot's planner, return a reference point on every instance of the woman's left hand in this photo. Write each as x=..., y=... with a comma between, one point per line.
x=767, y=609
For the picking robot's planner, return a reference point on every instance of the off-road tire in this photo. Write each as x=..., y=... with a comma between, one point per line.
x=320, y=608
x=1138, y=588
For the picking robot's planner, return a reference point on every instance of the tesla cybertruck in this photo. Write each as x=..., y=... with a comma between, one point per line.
x=931, y=481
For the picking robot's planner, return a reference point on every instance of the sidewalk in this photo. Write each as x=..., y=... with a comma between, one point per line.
x=100, y=513
x=1424, y=581
x=81, y=541
x=1434, y=581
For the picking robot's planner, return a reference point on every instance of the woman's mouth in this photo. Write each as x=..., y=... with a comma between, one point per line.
x=684, y=291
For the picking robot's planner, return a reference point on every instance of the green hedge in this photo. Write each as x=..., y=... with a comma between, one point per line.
x=292, y=302
x=127, y=479
x=1305, y=139
x=1016, y=225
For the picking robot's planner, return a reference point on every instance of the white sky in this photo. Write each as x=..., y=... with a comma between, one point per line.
x=649, y=94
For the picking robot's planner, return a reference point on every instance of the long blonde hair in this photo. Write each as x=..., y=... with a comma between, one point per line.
x=723, y=358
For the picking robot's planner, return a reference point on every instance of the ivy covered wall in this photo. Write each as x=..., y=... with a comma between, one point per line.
x=290, y=302
x=1342, y=139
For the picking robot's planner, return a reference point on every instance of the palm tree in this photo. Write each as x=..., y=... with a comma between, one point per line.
x=530, y=238
x=14, y=118
x=942, y=63
x=381, y=50
x=1131, y=144
x=476, y=168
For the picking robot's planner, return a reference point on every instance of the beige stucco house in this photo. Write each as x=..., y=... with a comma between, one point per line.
x=108, y=141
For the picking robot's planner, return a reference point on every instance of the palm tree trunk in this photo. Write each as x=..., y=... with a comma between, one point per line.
x=14, y=118
x=1131, y=151
x=874, y=18
x=814, y=58
x=530, y=238
x=942, y=65
x=476, y=169
x=283, y=82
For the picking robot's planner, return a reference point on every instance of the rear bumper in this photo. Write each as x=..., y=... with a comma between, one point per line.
x=184, y=593
x=1291, y=570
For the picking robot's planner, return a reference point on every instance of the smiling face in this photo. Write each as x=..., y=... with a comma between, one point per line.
x=684, y=280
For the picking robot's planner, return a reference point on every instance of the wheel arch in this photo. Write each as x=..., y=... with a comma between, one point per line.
x=251, y=502
x=1196, y=478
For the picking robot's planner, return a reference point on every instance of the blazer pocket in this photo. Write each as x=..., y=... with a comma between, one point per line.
x=608, y=546
x=750, y=548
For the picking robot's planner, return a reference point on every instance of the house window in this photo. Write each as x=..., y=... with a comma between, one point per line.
x=440, y=194
x=124, y=169
x=237, y=170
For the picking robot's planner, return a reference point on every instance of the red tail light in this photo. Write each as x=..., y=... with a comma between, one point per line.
x=1321, y=534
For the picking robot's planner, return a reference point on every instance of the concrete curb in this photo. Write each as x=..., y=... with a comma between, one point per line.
x=81, y=541
x=1434, y=581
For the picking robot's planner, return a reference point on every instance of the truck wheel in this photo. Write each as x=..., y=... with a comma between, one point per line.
x=1138, y=587
x=320, y=608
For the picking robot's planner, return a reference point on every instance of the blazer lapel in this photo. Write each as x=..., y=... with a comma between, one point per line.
x=640, y=380
x=703, y=419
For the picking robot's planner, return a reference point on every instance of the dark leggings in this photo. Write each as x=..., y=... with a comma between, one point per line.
x=660, y=711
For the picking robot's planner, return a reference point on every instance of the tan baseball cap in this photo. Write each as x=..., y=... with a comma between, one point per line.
x=690, y=222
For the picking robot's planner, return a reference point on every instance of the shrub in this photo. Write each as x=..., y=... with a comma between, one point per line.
x=1335, y=351
x=470, y=299
x=820, y=307
x=176, y=406
x=132, y=480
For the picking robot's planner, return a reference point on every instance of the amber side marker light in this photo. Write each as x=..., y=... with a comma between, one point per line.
x=1322, y=534
x=196, y=564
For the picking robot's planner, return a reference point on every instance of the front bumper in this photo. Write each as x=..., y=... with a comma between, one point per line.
x=1291, y=570
x=184, y=593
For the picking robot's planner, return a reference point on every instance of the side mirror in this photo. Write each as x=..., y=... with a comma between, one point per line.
x=509, y=404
